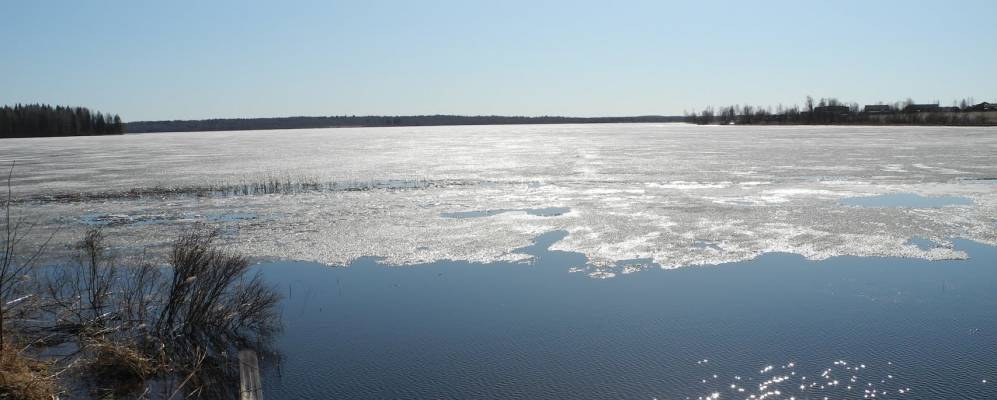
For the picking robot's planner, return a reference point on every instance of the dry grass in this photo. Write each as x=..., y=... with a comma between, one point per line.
x=119, y=368
x=24, y=378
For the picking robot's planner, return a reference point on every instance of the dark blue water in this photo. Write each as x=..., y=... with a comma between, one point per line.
x=533, y=330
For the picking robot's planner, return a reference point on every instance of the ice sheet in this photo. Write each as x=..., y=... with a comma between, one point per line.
x=630, y=191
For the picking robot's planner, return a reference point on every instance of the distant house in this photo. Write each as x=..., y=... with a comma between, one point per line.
x=876, y=109
x=949, y=109
x=984, y=106
x=917, y=108
x=831, y=110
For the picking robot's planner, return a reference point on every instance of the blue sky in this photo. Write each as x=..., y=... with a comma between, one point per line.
x=202, y=59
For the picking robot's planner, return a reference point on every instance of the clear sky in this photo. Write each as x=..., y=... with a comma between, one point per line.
x=201, y=59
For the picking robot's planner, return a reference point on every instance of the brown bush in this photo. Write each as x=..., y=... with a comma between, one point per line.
x=119, y=368
x=24, y=378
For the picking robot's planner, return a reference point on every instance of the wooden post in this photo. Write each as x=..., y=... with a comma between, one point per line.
x=250, y=386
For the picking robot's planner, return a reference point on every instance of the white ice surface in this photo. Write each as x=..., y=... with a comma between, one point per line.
x=636, y=191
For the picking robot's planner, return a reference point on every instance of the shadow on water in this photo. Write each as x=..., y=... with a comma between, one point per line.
x=453, y=329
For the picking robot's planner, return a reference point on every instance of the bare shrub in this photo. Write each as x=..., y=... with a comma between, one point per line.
x=186, y=319
x=96, y=274
x=210, y=297
x=139, y=293
x=211, y=308
x=130, y=323
x=16, y=286
x=81, y=293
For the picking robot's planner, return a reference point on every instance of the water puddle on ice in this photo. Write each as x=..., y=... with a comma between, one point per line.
x=706, y=245
x=106, y=220
x=923, y=244
x=907, y=200
x=539, y=212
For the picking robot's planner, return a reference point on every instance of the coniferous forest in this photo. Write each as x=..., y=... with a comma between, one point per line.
x=41, y=120
x=831, y=111
x=235, y=124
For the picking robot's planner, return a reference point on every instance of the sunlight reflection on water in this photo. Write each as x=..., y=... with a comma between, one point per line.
x=845, y=328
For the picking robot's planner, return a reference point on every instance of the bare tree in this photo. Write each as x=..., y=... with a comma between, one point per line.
x=14, y=266
x=706, y=116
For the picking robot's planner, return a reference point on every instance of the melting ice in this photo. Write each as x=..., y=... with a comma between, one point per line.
x=670, y=195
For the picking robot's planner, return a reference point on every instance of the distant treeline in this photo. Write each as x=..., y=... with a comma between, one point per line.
x=235, y=124
x=832, y=111
x=34, y=120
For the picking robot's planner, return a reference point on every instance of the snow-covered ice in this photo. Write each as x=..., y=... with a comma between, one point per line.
x=630, y=191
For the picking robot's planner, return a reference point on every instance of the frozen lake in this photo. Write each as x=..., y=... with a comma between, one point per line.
x=504, y=228
x=665, y=195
